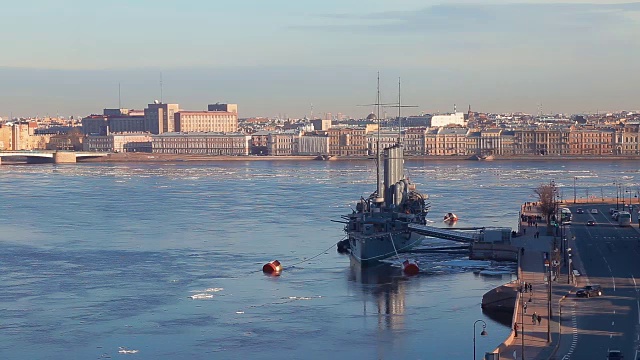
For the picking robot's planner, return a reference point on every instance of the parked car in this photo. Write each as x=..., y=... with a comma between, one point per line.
x=589, y=291
x=579, y=211
x=594, y=211
x=615, y=214
x=615, y=355
x=612, y=210
x=591, y=223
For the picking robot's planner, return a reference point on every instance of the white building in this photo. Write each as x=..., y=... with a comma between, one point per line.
x=313, y=145
x=447, y=120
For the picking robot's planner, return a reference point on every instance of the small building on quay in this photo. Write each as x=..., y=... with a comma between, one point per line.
x=201, y=143
x=118, y=143
x=260, y=142
x=283, y=143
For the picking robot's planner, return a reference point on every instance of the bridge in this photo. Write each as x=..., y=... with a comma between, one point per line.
x=466, y=235
x=50, y=156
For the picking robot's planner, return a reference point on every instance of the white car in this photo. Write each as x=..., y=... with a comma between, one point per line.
x=594, y=211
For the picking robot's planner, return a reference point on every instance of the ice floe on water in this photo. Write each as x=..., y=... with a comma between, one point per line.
x=204, y=294
x=201, y=296
x=209, y=290
x=124, y=350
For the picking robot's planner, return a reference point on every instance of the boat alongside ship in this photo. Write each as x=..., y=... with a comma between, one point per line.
x=450, y=218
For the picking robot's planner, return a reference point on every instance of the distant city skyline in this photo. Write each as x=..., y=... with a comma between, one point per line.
x=279, y=57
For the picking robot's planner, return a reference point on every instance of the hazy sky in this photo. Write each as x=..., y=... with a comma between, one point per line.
x=280, y=56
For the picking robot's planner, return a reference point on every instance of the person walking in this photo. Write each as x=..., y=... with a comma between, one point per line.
x=515, y=329
x=524, y=307
x=534, y=318
x=539, y=319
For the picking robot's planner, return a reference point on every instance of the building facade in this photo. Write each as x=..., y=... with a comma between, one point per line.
x=448, y=120
x=201, y=143
x=348, y=142
x=282, y=144
x=313, y=145
x=118, y=143
x=159, y=117
x=206, y=121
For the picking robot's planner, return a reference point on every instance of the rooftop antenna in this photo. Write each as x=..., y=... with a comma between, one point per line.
x=540, y=109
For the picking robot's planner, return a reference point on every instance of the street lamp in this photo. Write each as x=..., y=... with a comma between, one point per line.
x=616, y=186
x=574, y=189
x=483, y=333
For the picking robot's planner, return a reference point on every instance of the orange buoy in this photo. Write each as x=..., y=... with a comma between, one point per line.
x=410, y=268
x=272, y=268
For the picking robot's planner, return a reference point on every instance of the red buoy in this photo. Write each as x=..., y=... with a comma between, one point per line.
x=410, y=268
x=272, y=268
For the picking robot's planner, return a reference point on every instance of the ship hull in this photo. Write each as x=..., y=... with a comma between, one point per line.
x=369, y=250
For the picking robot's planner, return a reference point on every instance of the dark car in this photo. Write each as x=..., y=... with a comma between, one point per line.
x=579, y=211
x=591, y=223
x=589, y=291
x=615, y=355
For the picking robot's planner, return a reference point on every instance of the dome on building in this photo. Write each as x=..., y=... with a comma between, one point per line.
x=371, y=116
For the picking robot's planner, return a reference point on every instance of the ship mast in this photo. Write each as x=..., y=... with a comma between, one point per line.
x=399, y=106
x=399, y=118
x=380, y=191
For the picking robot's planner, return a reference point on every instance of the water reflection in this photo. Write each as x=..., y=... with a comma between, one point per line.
x=385, y=286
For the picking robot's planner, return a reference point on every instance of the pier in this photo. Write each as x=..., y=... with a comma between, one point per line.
x=539, y=340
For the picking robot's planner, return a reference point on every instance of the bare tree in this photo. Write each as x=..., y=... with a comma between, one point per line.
x=546, y=195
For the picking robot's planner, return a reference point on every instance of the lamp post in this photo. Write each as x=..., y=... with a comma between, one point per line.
x=548, y=264
x=616, y=186
x=574, y=189
x=483, y=333
x=569, y=265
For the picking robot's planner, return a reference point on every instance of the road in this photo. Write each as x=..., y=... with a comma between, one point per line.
x=605, y=254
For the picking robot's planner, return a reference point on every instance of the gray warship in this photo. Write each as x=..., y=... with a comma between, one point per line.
x=379, y=227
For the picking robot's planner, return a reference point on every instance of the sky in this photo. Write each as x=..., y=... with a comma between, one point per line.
x=289, y=58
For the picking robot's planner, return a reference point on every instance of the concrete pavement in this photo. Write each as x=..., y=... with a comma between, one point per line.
x=535, y=340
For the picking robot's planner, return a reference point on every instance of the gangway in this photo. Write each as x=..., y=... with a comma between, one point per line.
x=466, y=235
x=447, y=234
